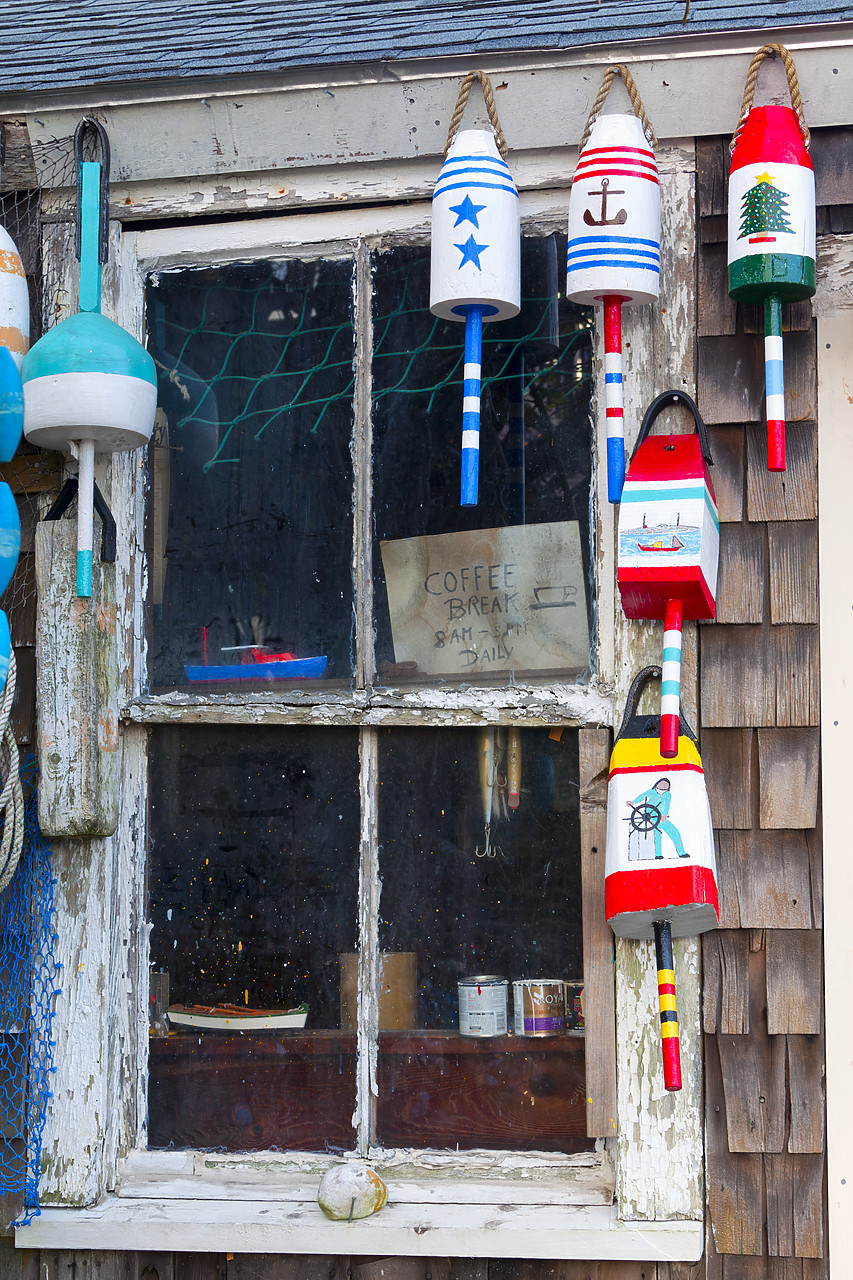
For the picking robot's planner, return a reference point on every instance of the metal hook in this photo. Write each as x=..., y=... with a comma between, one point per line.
x=100, y=143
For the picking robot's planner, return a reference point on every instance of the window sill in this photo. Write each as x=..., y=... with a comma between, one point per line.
x=523, y=1207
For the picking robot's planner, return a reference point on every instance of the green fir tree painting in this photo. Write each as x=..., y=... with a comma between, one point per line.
x=763, y=208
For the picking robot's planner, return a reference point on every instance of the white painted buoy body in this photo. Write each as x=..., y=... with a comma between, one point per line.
x=88, y=379
x=476, y=232
x=614, y=216
x=350, y=1191
x=14, y=301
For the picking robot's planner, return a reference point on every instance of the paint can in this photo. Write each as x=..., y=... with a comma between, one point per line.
x=539, y=1006
x=482, y=1005
x=574, y=1006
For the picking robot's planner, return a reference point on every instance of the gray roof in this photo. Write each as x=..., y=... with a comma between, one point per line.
x=50, y=45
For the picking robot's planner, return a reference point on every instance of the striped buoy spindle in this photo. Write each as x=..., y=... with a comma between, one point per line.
x=613, y=397
x=668, y=1013
x=774, y=381
x=670, y=691
x=471, y=406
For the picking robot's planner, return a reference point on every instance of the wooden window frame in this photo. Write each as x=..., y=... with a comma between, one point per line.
x=604, y=1204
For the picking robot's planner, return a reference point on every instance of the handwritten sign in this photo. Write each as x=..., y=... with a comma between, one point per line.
x=490, y=600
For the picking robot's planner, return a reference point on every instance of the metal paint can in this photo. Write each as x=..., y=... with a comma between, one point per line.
x=482, y=1005
x=539, y=1006
x=574, y=1006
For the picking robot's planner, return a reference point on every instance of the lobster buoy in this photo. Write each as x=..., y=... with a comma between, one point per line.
x=772, y=231
x=613, y=256
x=89, y=386
x=14, y=301
x=475, y=264
x=660, y=878
x=669, y=543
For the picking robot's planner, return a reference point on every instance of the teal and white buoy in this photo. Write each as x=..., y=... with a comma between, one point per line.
x=89, y=386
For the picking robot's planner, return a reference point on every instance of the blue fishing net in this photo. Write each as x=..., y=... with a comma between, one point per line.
x=28, y=985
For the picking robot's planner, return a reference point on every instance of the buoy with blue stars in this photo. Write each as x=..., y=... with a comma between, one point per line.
x=475, y=265
x=88, y=384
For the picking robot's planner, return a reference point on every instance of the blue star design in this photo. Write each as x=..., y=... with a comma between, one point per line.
x=471, y=251
x=467, y=212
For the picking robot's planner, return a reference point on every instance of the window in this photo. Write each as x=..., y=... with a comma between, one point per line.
x=334, y=823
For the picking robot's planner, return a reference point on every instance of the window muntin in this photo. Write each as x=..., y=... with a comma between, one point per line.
x=370, y=494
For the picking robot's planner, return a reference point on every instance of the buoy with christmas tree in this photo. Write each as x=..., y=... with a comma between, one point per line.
x=614, y=240
x=476, y=253
x=772, y=225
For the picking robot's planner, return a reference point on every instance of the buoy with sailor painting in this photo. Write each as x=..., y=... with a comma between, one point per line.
x=475, y=258
x=772, y=227
x=660, y=878
x=613, y=257
x=669, y=543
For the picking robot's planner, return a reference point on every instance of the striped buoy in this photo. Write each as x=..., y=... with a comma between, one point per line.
x=660, y=876
x=613, y=256
x=669, y=543
x=475, y=260
x=771, y=239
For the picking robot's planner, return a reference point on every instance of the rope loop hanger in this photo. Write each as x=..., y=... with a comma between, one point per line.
x=769, y=51
x=618, y=68
x=462, y=102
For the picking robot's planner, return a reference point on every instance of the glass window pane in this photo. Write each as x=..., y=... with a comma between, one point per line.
x=452, y=909
x=250, y=529
x=477, y=593
x=253, y=881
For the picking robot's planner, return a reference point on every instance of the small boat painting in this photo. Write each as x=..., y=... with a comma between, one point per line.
x=662, y=537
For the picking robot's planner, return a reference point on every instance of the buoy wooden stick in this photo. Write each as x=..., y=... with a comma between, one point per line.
x=668, y=1013
x=471, y=406
x=613, y=397
x=90, y=300
x=774, y=382
x=670, y=690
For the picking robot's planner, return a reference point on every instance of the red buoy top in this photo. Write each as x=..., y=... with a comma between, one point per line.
x=772, y=135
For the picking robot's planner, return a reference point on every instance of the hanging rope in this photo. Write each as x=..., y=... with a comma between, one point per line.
x=462, y=102
x=610, y=74
x=768, y=51
x=11, y=796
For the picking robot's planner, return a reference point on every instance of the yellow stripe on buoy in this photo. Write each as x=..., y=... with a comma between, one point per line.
x=669, y=1031
x=667, y=1002
x=11, y=263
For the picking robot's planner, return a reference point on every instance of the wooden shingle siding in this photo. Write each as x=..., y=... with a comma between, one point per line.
x=788, y=763
x=793, y=576
x=759, y=672
x=727, y=757
x=742, y=573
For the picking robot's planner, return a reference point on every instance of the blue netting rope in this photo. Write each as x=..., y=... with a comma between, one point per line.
x=28, y=985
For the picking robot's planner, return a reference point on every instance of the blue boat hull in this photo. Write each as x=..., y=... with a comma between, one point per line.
x=295, y=668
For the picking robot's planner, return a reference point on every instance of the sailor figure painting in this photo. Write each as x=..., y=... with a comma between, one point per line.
x=649, y=813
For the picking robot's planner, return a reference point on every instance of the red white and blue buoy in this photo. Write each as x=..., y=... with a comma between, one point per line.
x=613, y=257
x=475, y=265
